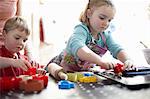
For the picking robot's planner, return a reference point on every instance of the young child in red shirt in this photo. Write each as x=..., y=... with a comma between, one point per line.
x=15, y=34
x=12, y=63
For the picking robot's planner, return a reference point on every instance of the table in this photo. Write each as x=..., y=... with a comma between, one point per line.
x=103, y=89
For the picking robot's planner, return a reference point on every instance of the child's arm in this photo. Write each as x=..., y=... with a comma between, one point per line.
x=85, y=53
x=5, y=62
x=123, y=57
x=18, y=5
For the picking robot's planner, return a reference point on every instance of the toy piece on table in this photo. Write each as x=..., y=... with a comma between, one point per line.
x=44, y=78
x=85, y=77
x=23, y=82
x=74, y=76
x=30, y=71
x=87, y=74
x=32, y=85
x=118, y=69
x=9, y=83
x=33, y=81
x=64, y=84
x=33, y=71
x=88, y=78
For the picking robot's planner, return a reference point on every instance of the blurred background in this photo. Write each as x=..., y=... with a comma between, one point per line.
x=52, y=22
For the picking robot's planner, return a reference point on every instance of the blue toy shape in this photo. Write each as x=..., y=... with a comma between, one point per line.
x=64, y=84
x=88, y=74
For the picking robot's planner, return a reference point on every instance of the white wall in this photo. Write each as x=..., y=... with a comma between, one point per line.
x=59, y=18
x=132, y=26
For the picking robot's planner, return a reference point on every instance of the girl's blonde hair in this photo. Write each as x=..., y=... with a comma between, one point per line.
x=93, y=3
x=16, y=23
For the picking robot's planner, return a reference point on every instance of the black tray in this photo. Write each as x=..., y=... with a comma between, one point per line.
x=132, y=82
x=141, y=71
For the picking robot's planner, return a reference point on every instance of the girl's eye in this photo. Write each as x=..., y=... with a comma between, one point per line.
x=102, y=18
x=24, y=40
x=109, y=20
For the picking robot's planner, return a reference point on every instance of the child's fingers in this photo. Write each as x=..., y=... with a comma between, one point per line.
x=24, y=67
x=27, y=64
x=41, y=71
x=95, y=69
x=34, y=64
x=111, y=65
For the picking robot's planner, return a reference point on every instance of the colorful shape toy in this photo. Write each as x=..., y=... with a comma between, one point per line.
x=29, y=82
x=87, y=74
x=31, y=71
x=74, y=76
x=44, y=78
x=88, y=79
x=31, y=85
x=118, y=69
x=64, y=84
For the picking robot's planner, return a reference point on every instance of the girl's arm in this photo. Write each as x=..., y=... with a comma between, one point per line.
x=85, y=53
x=122, y=56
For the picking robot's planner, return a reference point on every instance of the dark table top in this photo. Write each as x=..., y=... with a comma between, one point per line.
x=103, y=89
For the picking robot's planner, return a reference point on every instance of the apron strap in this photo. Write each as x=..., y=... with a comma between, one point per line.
x=104, y=40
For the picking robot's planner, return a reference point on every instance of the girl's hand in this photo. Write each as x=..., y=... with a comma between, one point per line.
x=129, y=65
x=108, y=65
x=23, y=64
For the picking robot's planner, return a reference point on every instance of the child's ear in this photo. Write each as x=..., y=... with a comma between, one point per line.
x=4, y=33
x=89, y=13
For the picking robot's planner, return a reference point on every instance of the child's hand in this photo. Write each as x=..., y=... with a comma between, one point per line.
x=35, y=64
x=129, y=65
x=108, y=65
x=41, y=71
x=23, y=64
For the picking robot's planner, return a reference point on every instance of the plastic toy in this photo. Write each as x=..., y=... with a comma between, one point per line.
x=85, y=77
x=87, y=74
x=41, y=77
x=118, y=69
x=74, y=76
x=31, y=71
x=29, y=82
x=31, y=85
x=64, y=84
x=9, y=83
x=88, y=79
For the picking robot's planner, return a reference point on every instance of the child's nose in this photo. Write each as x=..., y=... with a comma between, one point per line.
x=105, y=23
x=21, y=42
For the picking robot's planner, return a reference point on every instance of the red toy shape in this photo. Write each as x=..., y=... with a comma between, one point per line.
x=41, y=77
x=118, y=69
x=30, y=71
